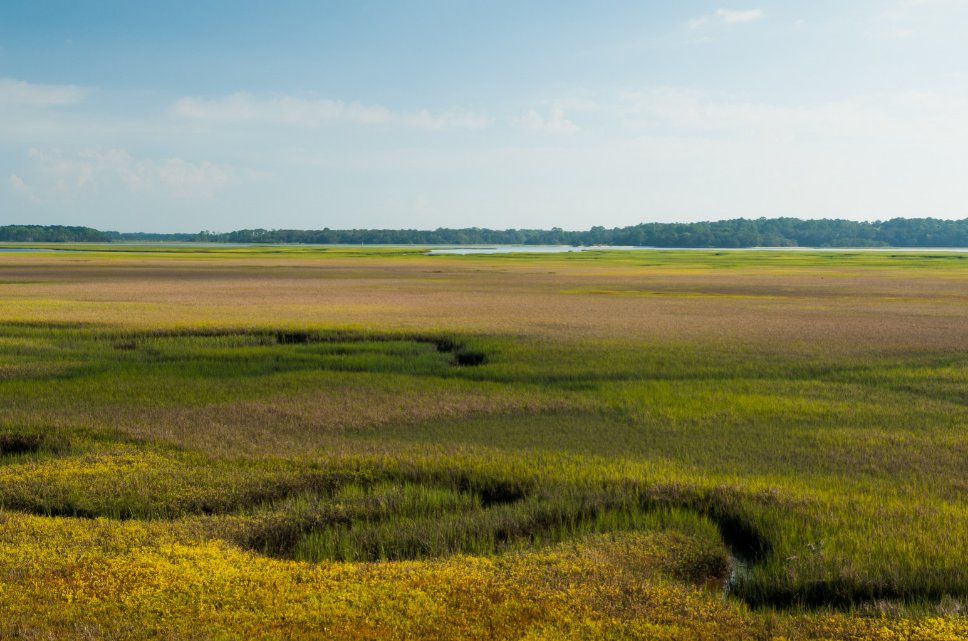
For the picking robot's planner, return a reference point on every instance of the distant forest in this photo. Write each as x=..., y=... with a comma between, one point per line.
x=741, y=232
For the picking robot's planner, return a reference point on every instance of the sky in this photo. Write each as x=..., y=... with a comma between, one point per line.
x=222, y=115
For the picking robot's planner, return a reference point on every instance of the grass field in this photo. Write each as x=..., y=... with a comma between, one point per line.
x=355, y=443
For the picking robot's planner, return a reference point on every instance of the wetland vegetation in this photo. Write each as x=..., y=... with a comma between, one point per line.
x=239, y=442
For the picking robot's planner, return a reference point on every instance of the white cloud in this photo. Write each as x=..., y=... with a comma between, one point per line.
x=243, y=107
x=191, y=180
x=93, y=170
x=898, y=116
x=444, y=120
x=727, y=17
x=555, y=123
x=23, y=94
x=732, y=16
x=907, y=19
x=18, y=185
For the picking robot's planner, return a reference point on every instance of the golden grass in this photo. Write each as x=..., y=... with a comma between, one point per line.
x=65, y=578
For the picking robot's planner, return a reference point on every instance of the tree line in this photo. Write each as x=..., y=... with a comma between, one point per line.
x=740, y=232
x=53, y=234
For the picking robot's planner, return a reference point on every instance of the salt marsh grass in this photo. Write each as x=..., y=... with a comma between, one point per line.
x=586, y=445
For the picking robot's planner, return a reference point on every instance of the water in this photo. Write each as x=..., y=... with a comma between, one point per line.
x=737, y=568
x=527, y=249
x=556, y=249
x=24, y=249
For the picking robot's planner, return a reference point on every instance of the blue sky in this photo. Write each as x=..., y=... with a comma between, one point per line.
x=182, y=116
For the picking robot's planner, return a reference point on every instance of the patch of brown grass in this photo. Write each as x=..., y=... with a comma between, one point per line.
x=298, y=423
x=834, y=308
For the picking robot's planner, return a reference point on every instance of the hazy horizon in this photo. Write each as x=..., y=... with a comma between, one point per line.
x=224, y=116
x=431, y=229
